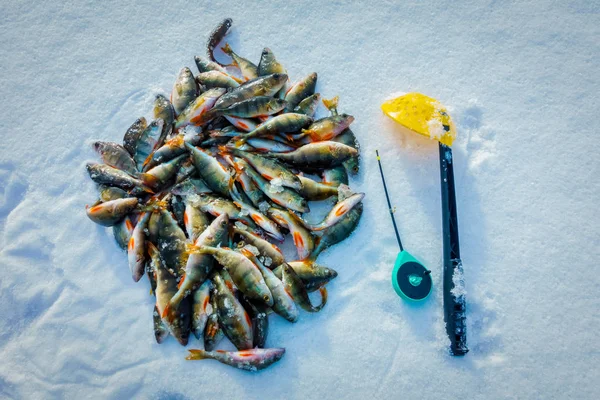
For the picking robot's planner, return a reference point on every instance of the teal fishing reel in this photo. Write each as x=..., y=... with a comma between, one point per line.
x=410, y=279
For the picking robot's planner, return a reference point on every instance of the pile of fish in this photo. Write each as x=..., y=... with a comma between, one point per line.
x=199, y=196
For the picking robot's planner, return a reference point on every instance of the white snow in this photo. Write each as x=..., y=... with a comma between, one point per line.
x=521, y=81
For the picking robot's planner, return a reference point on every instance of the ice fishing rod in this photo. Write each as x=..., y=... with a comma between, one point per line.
x=418, y=113
x=410, y=279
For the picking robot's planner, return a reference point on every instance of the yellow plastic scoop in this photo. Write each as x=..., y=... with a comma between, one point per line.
x=426, y=116
x=422, y=114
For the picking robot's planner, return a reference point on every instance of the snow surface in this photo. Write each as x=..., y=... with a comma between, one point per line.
x=521, y=80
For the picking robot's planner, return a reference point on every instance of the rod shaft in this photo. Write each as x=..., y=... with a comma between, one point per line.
x=454, y=300
x=387, y=197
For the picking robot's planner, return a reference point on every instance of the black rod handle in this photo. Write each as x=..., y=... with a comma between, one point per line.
x=454, y=298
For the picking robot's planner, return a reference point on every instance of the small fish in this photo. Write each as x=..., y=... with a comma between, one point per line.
x=325, y=154
x=158, y=176
x=216, y=36
x=111, y=212
x=117, y=156
x=315, y=191
x=263, y=86
x=295, y=288
x=327, y=128
x=179, y=321
x=233, y=318
x=201, y=308
x=268, y=64
x=213, y=333
x=169, y=150
x=199, y=265
x=195, y=220
x=216, y=79
x=254, y=107
x=283, y=303
x=303, y=239
x=341, y=230
x=269, y=168
x=260, y=320
x=107, y=175
x=163, y=109
x=279, y=194
x=248, y=69
x=108, y=193
x=171, y=242
x=245, y=273
x=347, y=137
x=313, y=275
x=151, y=139
x=335, y=176
x=251, y=190
x=338, y=212
x=133, y=134
x=245, y=124
x=136, y=248
x=300, y=90
x=217, y=206
x=210, y=170
x=205, y=65
x=289, y=122
x=268, y=226
x=266, y=249
x=249, y=360
x=185, y=90
x=122, y=232
x=309, y=105
x=196, y=112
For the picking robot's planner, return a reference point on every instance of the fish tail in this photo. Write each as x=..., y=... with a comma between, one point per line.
x=197, y=354
x=227, y=49
x=331, y=104
x=323, y=292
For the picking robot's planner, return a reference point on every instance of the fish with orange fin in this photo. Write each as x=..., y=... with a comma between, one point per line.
x=210, y=170
x=283, y=303
x=326, y=128
x=117, y=156
x=213, y=333
x=171, y=241
x=122, y=232
x=136, y=249
x=185, y=90
x=303, y=239
x=195, y=112
x=217, y=79
x=338, y=212
x=151, y=139
x=347, y=137
x=245, y=273
x=169, y=150
x=266, y=249
x=199, y=265
x=313, y=191
x=269, y=168
x=324, y=154
x=268, y=226
x=300, y=90
x=295, y=287
x=177, y=320
x=309, y=105
x=157, y=177
x=262, y=86
x=283, y=123
x=313, y=275
x=107, y=175
x=111, y=212
x=201, y=308
x=249, y=69
x=233, y=318
x=248, y=360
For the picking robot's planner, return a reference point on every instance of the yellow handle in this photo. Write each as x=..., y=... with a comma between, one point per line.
x=422, y=114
